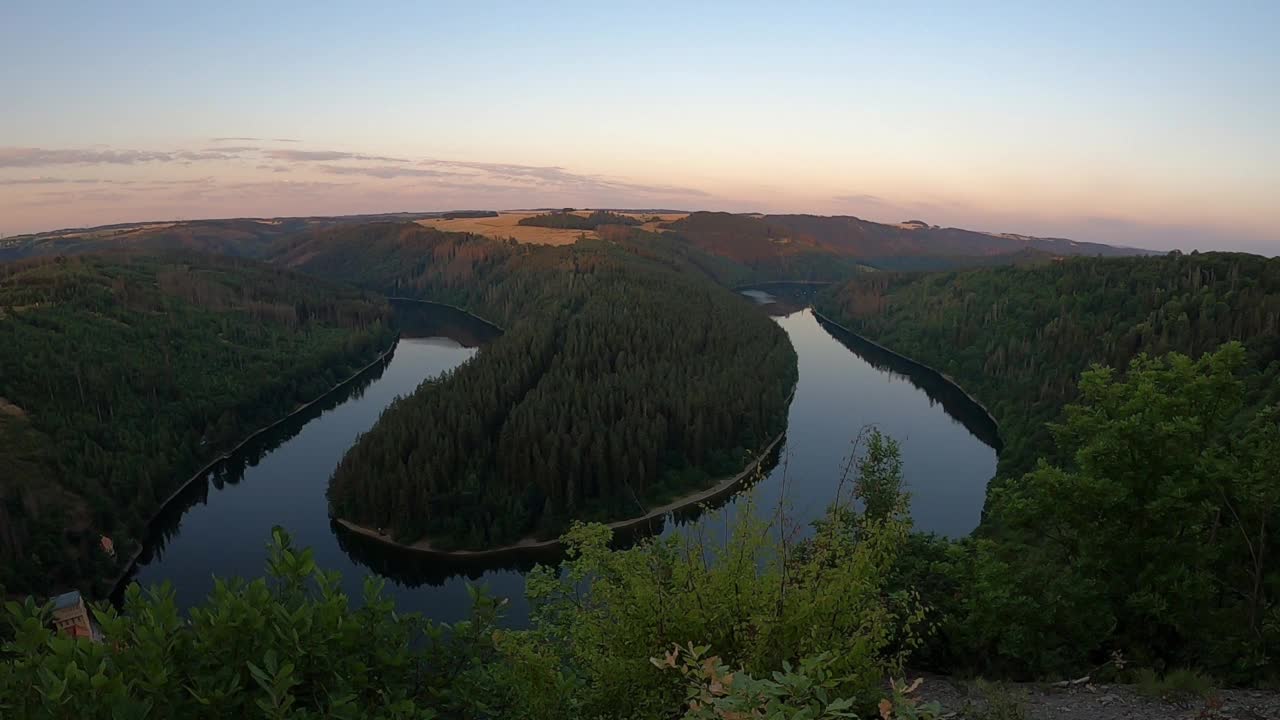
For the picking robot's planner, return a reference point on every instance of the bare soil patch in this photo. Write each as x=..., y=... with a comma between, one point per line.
x=505, y=226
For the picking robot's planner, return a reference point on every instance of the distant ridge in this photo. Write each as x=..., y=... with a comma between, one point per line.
x=749, y=237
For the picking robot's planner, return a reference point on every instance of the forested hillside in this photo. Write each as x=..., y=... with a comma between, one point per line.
x=818, y=247
x=767, y=252
x=620, y=380
x=890, y=243
x=1139, y=525
x=239, y=237
x=497, y=278
x=1018, y=338
x=120, y=375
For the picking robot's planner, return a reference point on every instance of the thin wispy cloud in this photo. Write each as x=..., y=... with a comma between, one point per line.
x=48, y=181
x=252, y=139
x=247, y=176
x=326, y=156
x=383, y=172
x=333, y=162
x=861, y=198
x=554, y=176
x=27, y=157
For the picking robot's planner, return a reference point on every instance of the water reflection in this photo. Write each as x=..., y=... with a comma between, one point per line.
x=231, y=471
x=220, y=525
x=954, y=401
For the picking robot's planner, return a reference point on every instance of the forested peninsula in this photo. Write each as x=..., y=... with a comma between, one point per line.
x=621, y=381
x=122, y=374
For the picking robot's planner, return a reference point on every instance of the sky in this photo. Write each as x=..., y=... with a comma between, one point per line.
x=1148, y=124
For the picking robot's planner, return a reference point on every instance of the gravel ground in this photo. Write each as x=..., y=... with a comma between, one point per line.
x=968, y=700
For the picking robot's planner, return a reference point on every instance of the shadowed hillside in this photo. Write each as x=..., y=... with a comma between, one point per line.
x=865, y=239
x=123, y=374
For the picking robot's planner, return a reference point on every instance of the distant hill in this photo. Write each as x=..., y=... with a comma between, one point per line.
x=750, y=238
x=808, y=246
x=239, y=237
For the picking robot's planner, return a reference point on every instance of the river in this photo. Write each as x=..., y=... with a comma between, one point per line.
x=219, y=527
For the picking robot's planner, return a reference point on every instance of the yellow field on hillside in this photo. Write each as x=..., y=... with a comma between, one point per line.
x=505, y=226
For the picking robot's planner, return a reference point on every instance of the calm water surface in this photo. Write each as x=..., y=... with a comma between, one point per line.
x=221, y=526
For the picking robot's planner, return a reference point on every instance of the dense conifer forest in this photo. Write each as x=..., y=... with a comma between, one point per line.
x=1018, y=338
x=1139, y=524
x=620, y=381
x=122, y=374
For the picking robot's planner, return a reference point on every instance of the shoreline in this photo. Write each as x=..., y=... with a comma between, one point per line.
x=468, y=313
x=762, y=283
x=424, y=547
x=131, y=565
x=977, y=403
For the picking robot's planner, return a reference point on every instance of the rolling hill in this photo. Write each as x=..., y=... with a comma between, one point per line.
x=802, y=246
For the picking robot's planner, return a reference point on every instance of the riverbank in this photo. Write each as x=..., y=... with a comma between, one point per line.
x=132, y=563
x=468, y=313
x=949, y=380
x=424, y=547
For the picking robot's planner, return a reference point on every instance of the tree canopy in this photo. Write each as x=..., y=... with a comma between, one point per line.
x=123, y=374
x=1018, y=338
x=1134, y=511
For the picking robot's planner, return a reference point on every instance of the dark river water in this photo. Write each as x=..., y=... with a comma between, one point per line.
x=220, y=527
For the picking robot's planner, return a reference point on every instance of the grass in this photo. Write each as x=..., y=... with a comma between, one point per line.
x=1001, y=702
x=1177, y=683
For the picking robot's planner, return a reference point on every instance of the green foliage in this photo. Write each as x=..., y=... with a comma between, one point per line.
x=999, y=702
x=124, y=374
x=1154, y=541
x=812, y=634
x=713, y=691
x=1181, y=683
x=290, y=646
x=755, y=595
x=904, y=703
x=1147, y=528
x=1019, y=338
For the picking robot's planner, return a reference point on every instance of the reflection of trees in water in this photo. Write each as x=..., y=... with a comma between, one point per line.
x=167, y=523
x=414, y=569
x=955, y=403
x=419, y=318
x=415, y=319
x=791, y=297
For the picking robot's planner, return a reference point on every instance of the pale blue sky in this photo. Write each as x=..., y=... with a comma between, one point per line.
x=1141, y=123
